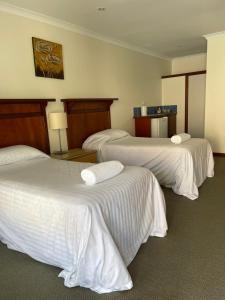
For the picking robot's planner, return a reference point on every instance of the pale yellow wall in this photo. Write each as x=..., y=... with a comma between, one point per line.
x=92, y=68
x=215, y=93
x=173, y=93
x=190, y=63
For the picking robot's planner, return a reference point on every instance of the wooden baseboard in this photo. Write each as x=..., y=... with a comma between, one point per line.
x=218, y=154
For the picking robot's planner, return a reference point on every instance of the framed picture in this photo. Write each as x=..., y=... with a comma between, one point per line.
x=48, y=60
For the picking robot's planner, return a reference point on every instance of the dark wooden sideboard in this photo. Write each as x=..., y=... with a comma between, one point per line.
x=143, y=124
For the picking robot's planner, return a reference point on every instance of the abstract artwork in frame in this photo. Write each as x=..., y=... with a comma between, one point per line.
x=48, y=60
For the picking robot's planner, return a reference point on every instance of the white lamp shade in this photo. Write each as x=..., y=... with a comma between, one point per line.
x=57, y=120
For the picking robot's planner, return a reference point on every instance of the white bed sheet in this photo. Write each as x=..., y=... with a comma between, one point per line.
x=182, y=167
x=92, y=233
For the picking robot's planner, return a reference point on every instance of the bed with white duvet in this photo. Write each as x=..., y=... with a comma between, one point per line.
x=181, y=167
x=91, y=232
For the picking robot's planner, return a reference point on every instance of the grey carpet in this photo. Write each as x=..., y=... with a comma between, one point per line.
x=188, y=264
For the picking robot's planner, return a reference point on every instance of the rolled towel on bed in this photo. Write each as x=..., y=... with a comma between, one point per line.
x=100, y=172
x=180, y=138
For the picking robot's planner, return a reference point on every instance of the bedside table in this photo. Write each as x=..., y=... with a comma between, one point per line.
x=77, y=154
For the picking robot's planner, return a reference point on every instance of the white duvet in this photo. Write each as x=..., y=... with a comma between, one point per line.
x=91, y=233
x=182, y=167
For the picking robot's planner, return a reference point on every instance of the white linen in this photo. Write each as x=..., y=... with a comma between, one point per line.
x=182, y=167
x=91, y=232
x=12, y=154
x=101, y=172
x=180, y=138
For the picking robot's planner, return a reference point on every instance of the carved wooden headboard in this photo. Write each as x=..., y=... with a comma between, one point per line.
x=23, y=121
x=86, y=116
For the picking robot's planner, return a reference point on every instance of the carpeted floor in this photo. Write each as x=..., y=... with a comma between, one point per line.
x=188, y=264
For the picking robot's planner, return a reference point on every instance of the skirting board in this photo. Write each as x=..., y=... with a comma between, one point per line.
x=218, y=154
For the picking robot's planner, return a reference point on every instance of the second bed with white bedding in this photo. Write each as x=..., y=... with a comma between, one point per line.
x=182, y=167
x=92, y=233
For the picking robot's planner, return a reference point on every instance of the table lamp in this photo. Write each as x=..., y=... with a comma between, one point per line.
x=58, y=121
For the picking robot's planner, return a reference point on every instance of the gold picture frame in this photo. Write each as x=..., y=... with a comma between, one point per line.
x=48, y=60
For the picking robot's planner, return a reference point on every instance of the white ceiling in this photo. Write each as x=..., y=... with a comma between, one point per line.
x=168, y=28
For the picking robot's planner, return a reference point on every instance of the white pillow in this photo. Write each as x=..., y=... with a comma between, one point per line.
x=17, y=153
x=114, y=134
x=96, y=140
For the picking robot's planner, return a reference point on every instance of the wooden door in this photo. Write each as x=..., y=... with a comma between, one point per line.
x=196, y=105
x=173, y=93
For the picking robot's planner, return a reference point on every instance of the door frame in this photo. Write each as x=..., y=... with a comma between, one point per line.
x=186, y=75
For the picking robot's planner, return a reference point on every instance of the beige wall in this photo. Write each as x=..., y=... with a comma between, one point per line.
x=190, y=63
x=215, y=93
x=92, y=68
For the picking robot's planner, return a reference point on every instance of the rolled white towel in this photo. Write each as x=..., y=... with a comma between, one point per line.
x=102, y=171
x=180, y=138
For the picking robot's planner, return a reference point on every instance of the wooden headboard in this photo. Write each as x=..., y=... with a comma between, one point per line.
x=23, y=121
x=86, y=116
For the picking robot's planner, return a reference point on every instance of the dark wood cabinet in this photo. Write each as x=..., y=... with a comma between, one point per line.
x=172, y=125
x=143, y=125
